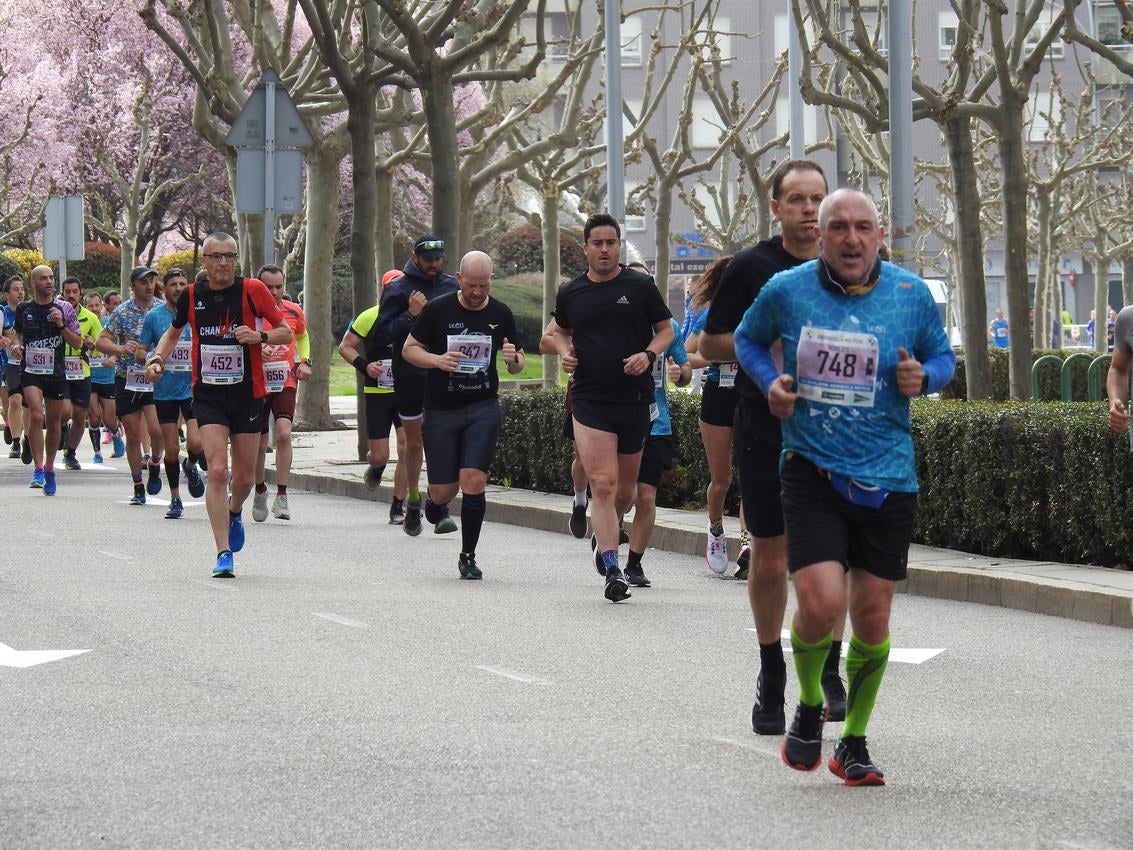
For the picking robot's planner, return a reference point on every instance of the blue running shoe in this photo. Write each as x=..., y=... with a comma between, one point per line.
x=153, y=484
x=224, y=567
x=119, y=447
x=175, y=508
x=49, y=487
x=138, y=499
x=235, y=532
x=98, y=458
x=37, y=480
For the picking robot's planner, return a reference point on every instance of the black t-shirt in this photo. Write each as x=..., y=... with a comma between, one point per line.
x=42, y=338
x=610, y=321
x=445, y=324
x=743, y=278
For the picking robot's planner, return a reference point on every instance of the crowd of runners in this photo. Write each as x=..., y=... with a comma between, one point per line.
x=812, y=347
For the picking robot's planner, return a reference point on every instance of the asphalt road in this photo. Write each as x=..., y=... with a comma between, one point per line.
x=347, y=690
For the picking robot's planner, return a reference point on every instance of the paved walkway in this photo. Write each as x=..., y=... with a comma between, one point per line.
x=326, y=462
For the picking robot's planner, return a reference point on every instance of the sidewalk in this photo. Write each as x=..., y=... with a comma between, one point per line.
x=326, y=462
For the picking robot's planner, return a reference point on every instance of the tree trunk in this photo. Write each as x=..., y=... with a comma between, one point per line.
x=552, y=273
x=383, y=181
x=360, y=122
x=466, y=225
x=970, y=258
x=662, y=223
x=1014, y=188
x=313, y=404
x=126, y=264
x=1101, y=299
x=437, y=95
x=1045, y=306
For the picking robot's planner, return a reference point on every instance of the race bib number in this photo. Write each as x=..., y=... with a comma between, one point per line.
x=97, y=359
x=222, y=364
x=73, y=367
x=275, y=374
x=475, y=352
x=728, y=375
x=181, y=357
x=837, y=367
x=385, y=376
x=39, y=361
x=654, y=412
x=136, y=381
x=658, y=373
x=1001, y=333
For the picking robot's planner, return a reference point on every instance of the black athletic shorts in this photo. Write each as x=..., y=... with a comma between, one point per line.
x=464, y=438
x=568, y=419
x=410, y=395
x=129, y=401
x=238, y=412
x=79, y=392
x=656, y=457
x=13, y=378
x=823, y=526
x=106, y=391
x=53, y=389
x=281, y=405
x=630, y=422
x=381, y=414
x=718, y=405
x=168, y=412
x=757, y=461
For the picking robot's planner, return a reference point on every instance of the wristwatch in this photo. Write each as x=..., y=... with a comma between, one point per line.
x=263, y=337
x=652, y=355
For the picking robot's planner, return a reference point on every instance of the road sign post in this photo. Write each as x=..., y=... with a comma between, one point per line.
x=64, y=231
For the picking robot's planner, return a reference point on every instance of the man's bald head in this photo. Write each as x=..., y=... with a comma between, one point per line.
x=475, y=277
x=476, y=263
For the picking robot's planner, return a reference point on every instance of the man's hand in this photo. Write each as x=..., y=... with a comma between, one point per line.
x=129, y=348
x=449, y=361
x=303, y=371
x=570, y=361
x=88, y=342
x=374, y=370
x=636, y=364
x=781, y=399
x=1118, y=417
x=246, y=335
x=154, y=370
x=55, y=316
x=509, y=352
x=417, y=302
x=910, y=374
x=674, y=371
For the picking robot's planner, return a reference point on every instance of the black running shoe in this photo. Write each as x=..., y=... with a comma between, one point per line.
x=14, y=454
x=851, y=763
x=743, y=561
x=599, y=564
x=835, y=693
x=8, y=434
x=25, y=452
x=372, y=478
x=802, y=748
x=467, y=566
x=577, y=524
x=635, y=576
x=768, y=716
x=64, y=433
x=412, y=525
x=397, y=512
x=616, y=587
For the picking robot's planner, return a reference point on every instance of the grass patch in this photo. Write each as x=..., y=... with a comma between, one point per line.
x=342, y=375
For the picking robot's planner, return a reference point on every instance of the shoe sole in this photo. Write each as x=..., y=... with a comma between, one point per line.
x=578, y=534
x=224, y=574
x=412, y=531
x=471, y=576
x=801, y=765
x=397, y=520
x=440, y=528
x=173, y=516
x=871, y=779
x=617, y=590
x=281, y=515
x=641, y=582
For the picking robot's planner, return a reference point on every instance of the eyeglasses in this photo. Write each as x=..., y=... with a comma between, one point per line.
x=431, y=245
x=221, y=257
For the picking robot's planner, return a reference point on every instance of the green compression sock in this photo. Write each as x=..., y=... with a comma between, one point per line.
x=865, y=668
x=809, y=661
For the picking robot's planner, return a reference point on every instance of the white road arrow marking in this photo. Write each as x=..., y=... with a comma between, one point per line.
x=515, y=674
x=342, y=621
x=30, y=657
x=896, y=655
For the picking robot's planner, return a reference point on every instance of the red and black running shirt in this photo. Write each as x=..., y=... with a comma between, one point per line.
x=214, y=315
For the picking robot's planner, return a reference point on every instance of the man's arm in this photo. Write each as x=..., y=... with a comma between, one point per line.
x=155, y=363
x=717, y=348
x=350, y=349
x=416, y=353
x=1117, y=390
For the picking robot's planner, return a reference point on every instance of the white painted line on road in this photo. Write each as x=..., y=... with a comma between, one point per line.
x=746, y=745
x=342, y=621
x=218, y=583
x=1086, y=845
x=114, y=555
x=896, y=655
x=527, y=678
x=90, y=466
x=30, y=657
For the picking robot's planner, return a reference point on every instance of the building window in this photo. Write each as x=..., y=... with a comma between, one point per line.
x=948, y=29
x=706, y=126
x=1038, y=31
x=631, y=42
x=634, y=221
x=1044, y=111
x=719, y=34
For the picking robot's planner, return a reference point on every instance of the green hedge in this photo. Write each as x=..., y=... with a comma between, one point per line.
x=1045, y=481
x=1050, y=381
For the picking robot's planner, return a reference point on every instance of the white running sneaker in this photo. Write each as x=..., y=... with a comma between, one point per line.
x=279, y=508
x=260, y=506
x=716, y=552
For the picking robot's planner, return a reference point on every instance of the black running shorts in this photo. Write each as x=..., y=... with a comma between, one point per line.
x=757, y=462
x=464, y=438
x=656, y=457
x=718, y=405
x=238, y=412
x=630, y=422
x=381, y=414
x=168, y=412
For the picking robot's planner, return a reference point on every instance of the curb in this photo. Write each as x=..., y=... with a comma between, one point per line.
x=984, y=582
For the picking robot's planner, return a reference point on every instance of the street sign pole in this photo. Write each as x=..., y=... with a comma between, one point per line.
x=269, y=175
x=64, y=230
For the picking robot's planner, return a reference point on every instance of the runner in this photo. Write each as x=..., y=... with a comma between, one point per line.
x=78, y=387
x=173, y=394
x=226, y=314
x=577, y=522
x=860, y=337
x=104, y=392
x=13, y=367
x=611, y=326
x=134, y=392
x=401, y=303
x=657, y=457
x=43, y=327
x=365, y=348
x=797, y=188
x=456, y=338
x=284, y=367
